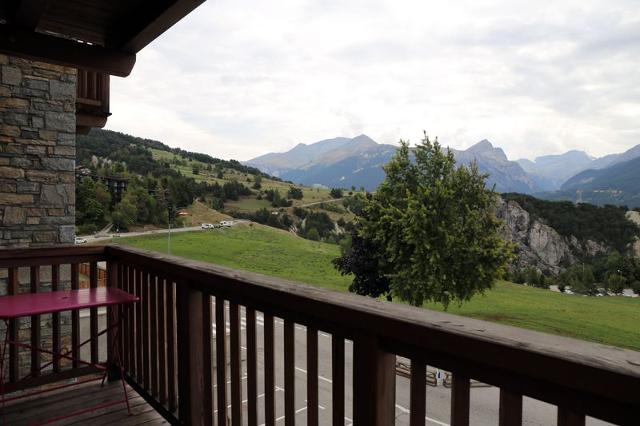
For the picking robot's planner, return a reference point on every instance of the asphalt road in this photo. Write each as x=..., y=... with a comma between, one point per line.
x=484, y=400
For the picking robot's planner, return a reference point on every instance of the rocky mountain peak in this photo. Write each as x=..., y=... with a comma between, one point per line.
x=486, y=149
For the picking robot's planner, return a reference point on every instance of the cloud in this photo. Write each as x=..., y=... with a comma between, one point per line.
x=239, y=79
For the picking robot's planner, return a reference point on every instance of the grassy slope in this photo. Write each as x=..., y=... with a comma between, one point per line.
x=610, y=320
x=255, y=248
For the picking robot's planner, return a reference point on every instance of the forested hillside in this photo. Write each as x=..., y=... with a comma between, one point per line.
x=163, y=180
x=131, y=149
x=607, y=224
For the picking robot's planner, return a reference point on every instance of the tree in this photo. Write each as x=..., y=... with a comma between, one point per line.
x=436, y=227
x=257, y=182
x=295, y=193
x=313, y=235
x=124, y=215
x=336, y=193
x=361, y=257
x=581, y=279
x=615, y=283
x=93, y=202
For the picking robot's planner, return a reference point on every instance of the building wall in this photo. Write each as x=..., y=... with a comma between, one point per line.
x=37, y=153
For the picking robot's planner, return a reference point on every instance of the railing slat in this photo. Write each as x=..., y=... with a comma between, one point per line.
x=14, y=363
x=312, y=376
x=162, y=340
x=145, y=276
x=132, y=320
x=190, y=357
x=75, y=317
x=460, y=389
x=93, y=312
x=221, y=362
x=126, y=324
x=35, y=325
x=207, y=369
x=269, y=376
x=567, y=417
x=289, y=373
x=510, y=408
x=252, y=380
x=337, y=372
x=111, y=280
x=236, y=366
x=153, y=302
x=139, y=366
x=418, y=389
x=55, y=320
x=171, y=347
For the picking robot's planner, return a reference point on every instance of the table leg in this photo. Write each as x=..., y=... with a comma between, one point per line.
x=116, y=349
x=3, y=352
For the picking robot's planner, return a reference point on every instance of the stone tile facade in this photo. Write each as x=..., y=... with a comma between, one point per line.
x=37, y=153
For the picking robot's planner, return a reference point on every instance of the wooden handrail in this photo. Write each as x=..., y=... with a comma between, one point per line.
x=168, y=350
x=589, y=378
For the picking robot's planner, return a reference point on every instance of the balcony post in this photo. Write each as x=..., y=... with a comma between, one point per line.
x=374, y=383
x=190, y=355
x=112, y=357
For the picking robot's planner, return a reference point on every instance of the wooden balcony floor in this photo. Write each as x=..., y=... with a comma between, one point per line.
x=39, y=408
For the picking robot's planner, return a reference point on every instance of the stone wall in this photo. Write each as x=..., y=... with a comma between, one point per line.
x=37, y=153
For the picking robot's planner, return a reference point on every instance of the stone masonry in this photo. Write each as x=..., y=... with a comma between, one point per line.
x=37, y=153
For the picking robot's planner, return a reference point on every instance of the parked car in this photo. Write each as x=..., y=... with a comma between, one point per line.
x=207, y=226
x=226, y=223
x=80, y=240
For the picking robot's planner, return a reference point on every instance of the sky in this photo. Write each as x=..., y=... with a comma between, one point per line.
x=237, y=79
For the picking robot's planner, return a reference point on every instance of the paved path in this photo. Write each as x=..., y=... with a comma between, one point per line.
x=91, y=239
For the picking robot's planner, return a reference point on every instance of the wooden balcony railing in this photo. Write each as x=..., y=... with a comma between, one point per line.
x=171, y=360
x=92, y=100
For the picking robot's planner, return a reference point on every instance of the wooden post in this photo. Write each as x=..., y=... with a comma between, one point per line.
x=510, y=408
x=190, y=357
x=567, y=417
x=374, y=383
x=114, y=368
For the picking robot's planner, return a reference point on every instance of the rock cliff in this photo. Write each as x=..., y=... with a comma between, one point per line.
x=538, y=244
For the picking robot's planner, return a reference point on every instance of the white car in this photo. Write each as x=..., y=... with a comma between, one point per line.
x=80, y=240
x=226, y=223
x=206, y=226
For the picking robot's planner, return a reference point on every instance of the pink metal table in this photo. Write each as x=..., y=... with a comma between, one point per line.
x=28, y=304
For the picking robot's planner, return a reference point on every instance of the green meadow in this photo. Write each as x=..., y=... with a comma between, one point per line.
x=265, y=250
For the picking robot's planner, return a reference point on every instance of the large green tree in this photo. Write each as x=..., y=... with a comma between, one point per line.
x=435, y=225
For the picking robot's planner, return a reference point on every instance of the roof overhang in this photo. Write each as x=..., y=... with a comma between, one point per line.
x=97, y=35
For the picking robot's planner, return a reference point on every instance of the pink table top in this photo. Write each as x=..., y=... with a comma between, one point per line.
x=26, y=304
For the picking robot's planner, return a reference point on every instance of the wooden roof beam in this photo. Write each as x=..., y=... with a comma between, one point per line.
x=60, y=51
x=141, y=28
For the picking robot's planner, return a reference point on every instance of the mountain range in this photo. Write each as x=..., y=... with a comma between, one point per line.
x=574, y=175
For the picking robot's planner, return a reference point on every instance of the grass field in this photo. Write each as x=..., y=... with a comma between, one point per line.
x=610, y=320
x=255, y=248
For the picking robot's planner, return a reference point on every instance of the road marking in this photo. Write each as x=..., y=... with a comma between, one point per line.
x=407, y=411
